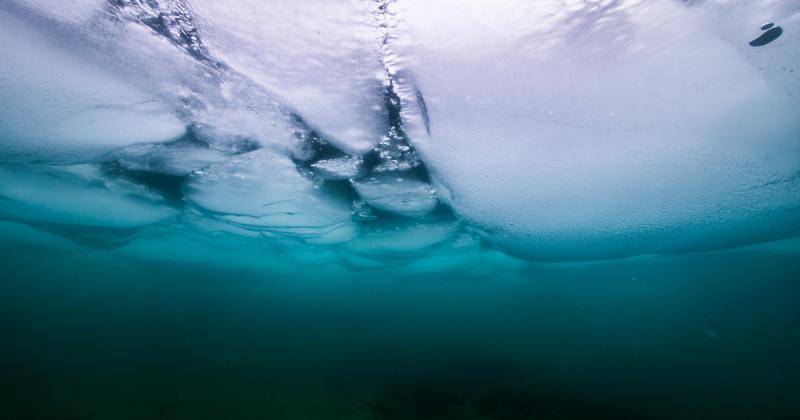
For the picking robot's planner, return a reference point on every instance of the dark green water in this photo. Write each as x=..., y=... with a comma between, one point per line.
x=93, y=336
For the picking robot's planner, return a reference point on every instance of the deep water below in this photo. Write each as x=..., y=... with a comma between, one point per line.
x=92, y=336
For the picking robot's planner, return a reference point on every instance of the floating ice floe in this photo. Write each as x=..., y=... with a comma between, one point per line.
x=339, y=168
x=323, y=57
x=397, y=193
x=60, y=107
x=79, y=196
x=263, y=191
x=175, y=159
x=583, y=130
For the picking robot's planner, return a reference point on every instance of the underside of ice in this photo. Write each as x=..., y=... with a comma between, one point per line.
x=602, y=129
x=321, y=56
x=400, y=195
x=426, y=133
x=60, y=107
x=239, y=192
x=78, y=195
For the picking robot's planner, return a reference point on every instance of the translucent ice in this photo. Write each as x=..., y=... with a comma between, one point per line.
x=402, y=243
x=262, y=191
x=397, y=194
x=78, y=195
x=176, y=159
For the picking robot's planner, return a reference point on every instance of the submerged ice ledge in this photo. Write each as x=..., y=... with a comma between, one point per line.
x=382, y=133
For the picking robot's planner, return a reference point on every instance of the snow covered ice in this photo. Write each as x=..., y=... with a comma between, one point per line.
x=374, y=133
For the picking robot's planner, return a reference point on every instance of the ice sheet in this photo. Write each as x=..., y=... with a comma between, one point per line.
x=323, y=57
x=57, y=106
x=580, y=130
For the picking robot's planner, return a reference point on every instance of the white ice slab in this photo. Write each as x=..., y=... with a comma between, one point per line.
x=575, y=130
x=57, y=106
x=263, y=191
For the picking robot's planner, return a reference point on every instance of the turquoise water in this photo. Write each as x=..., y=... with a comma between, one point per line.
x=96, y=336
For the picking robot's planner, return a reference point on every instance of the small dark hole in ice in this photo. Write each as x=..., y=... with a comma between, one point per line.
x=767, y=37
x=767, y=26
